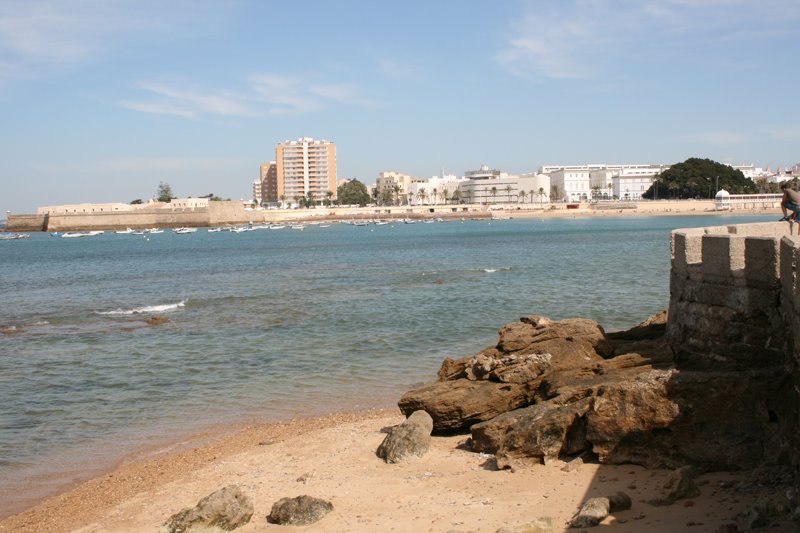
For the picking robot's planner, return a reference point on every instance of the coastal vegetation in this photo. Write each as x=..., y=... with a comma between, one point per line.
x=164, y=192
x=353, y=192
x=698, y=178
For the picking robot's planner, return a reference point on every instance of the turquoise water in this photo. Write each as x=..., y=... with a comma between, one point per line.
x=270, y=324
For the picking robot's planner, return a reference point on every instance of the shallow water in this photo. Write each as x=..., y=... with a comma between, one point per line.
x=270, y=324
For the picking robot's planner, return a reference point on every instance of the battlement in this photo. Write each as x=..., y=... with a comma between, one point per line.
x=727, y=301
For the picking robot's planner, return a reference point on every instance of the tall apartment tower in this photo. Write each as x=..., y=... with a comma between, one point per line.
x=304, y=167
x=265, y=188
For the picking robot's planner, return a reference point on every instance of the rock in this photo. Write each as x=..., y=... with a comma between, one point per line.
x=514, y=368
x=156, y=320
x=651, y=328
x=457, y=405
x=542, y=431
x=619, y=501
x=537, y=525
x=626, y=418
x=223, y=510
x=412, y=438
x=592, y=513
x=299, y=511
x=679, y=486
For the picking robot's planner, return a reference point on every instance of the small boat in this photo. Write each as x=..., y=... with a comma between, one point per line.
x=182, y=231
x=298, y=226
x=154, y=230
x=276, y=226
x=381, y=223
x=409, y=221
x=214, y=230
x=138, y=232
x=324, y=225
x=124, y=231
x=13, y=236
x=74, y=234
x=359, y=223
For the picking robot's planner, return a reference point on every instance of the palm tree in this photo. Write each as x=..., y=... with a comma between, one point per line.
x=541, y=195
x=493, y=192
x=595, y=191
x=555, y=193
x=445, y=194
x=457, y=196
x=435, y=194
x=509, y=188
x=610, y=187
x=329, y=195
x=396, y=190
x=422, y=195
x=522, y=194
x=283, y=200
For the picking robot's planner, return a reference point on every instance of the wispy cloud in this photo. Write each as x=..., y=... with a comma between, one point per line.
x=39, y=37
x=585, y=38
x=261, y=95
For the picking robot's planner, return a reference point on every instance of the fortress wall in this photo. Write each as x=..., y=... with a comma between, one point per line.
x=223, y=213
x=726, y=296
x=735, y=305
x=26, y=223
x=143, y=218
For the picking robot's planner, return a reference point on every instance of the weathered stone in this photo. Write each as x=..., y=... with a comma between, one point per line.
x=538, y=525
x=223, y=510
x=299, y=511
x=619, y=501
x=624, y=416
x=679, y=486
x=594, y=511
x=156, y=320
x=541, y=431
x=514, y=368
x=456, y=405
x=412, y=438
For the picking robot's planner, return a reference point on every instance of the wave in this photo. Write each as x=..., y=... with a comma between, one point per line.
x=492, y=270
x=166, y=308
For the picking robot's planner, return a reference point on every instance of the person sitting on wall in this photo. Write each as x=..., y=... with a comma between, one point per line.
x=790, y=202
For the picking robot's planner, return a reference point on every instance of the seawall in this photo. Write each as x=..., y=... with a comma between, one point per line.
x=735, y=305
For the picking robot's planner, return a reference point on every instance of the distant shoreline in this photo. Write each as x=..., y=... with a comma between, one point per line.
x=233, y=213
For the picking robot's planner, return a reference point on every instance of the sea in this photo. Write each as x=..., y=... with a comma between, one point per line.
x=268, y=325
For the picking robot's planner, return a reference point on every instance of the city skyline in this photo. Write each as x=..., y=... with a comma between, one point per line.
x=102, y=101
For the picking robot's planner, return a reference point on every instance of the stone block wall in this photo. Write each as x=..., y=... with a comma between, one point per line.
x=735, y=306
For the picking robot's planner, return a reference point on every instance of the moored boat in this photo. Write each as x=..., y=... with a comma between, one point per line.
x=181, y=231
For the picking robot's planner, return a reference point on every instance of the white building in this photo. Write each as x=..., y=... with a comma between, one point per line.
x=528, y=188
x=601, y=181
x=437, y=190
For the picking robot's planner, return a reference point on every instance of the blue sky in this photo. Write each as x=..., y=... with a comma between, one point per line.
x=100, y=100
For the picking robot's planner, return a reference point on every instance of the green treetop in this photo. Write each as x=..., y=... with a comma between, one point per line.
x=698, y=178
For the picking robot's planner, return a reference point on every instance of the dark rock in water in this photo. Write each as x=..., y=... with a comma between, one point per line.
x=412, y=438
x=456, y=405
x=592, y=513
x=225, y=509
x=299, y=511
x=157, y=320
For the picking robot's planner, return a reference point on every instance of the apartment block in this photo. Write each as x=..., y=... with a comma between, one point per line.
x=265, y=188
x=305, y=168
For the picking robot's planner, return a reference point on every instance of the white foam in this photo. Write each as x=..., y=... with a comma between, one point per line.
x=166, y=308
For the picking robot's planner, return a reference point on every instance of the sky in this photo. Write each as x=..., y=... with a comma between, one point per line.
x=101, y=100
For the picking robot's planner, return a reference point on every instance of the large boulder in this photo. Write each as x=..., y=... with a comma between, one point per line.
x=542, y=431
x=412, y=438
x=456, y=405
x=223, y=510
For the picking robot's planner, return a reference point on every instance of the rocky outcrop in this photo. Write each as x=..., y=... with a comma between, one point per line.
x=412, y=438
x=551, y=389
x=299, y=511
x=223, y=510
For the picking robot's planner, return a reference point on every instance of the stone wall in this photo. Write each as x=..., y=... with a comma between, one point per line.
x=26, y=222
x=735, y=305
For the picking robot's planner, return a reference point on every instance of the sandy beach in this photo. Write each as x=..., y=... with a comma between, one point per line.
x=333, y=457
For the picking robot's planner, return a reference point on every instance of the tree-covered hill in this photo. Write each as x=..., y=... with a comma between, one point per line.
x=698, y=178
